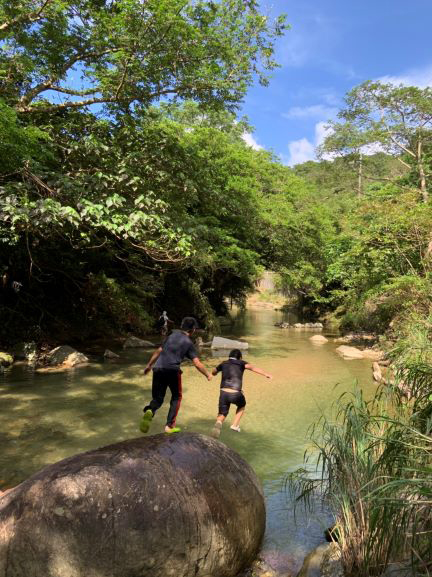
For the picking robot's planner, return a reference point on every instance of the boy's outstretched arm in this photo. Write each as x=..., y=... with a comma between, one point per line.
x=201, y=368
x=258, y=371
x=152, y=360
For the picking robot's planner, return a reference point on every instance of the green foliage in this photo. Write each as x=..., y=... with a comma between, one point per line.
x=115, y=307
x=128, y=54
x=178, y=197
x=19, y=144
x=379, y=266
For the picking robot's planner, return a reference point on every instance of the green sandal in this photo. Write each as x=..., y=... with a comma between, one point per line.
x=173, y=430
x=145, y=421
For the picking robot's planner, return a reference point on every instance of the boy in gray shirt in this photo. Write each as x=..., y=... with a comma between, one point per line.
x=165, y=363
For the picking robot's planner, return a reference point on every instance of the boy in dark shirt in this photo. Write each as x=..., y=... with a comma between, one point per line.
x=231, y=389
x=167, y=374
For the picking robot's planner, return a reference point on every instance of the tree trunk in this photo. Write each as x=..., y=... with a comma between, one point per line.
x=421, y=172
x=360, y=175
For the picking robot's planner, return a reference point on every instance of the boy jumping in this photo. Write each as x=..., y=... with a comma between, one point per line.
x=167, y=374
x=231, y=389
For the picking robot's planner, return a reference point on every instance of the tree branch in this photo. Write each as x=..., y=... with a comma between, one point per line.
x=26, y=99
x=74, y=92
x=31, y=17
x=64, y=105
x=404, y=163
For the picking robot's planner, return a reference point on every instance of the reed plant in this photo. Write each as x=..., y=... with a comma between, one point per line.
x=375, y=463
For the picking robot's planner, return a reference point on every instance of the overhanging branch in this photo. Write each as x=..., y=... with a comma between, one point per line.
x=22, y=18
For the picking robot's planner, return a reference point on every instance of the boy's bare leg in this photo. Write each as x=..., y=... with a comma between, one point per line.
x=216, y=431
x=238, y=416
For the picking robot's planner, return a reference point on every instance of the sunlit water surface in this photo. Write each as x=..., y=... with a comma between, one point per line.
x=47, y=417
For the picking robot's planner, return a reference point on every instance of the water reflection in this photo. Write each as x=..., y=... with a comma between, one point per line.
x=46, y=417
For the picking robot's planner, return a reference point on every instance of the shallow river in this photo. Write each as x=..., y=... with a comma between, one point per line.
x=46, y=417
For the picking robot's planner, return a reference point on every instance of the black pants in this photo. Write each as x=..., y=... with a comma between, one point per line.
x=162, y=380
x=225, y=400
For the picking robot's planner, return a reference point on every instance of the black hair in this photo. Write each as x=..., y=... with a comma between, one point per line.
x=236, y=353
x=188, y=324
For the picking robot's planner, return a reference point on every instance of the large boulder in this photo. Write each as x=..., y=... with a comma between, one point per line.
x=223, y=343
x=166, y=505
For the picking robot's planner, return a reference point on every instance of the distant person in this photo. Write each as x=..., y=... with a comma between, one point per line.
x=162, y=323
x=231, y=389
x=165, y=363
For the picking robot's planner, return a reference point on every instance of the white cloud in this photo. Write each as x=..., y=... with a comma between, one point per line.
x=304, y=149
x=250, y=141
x=370, y=149
x=314, y=111
x=300, y=151
x=421, y=77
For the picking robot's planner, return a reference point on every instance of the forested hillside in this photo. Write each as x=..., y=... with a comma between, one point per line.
x=151, y=199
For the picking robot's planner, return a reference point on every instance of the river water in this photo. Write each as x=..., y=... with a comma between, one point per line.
x=47, y=417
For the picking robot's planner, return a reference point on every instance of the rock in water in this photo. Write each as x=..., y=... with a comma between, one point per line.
x=5, y=359
x=223, y=343
x=66, y=356
x=136, y=343
x=320, y=339
x=110, y=354
x=166, y=505
x=350, y=352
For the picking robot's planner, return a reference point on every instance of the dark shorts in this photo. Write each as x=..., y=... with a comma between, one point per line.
x=226, y=399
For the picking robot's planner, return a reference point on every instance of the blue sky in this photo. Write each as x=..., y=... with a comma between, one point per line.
x=332, y=46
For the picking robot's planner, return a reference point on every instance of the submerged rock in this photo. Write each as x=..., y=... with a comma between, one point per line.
x=354, y=353
x=319, y=339
x=223, y=343
x=111, y=355
x=372, y=354
x=178, y=505
x=312, y=564
x=136, y=343
x=350, y=352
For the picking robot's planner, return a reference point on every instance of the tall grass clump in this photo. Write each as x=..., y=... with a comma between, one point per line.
x=375, y=460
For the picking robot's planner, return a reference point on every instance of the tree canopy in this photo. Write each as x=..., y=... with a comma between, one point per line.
x=393, y=119
x=126, y=54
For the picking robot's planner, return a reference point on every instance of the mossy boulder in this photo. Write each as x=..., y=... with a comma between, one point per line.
x=159, y=506
x=5, y=359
